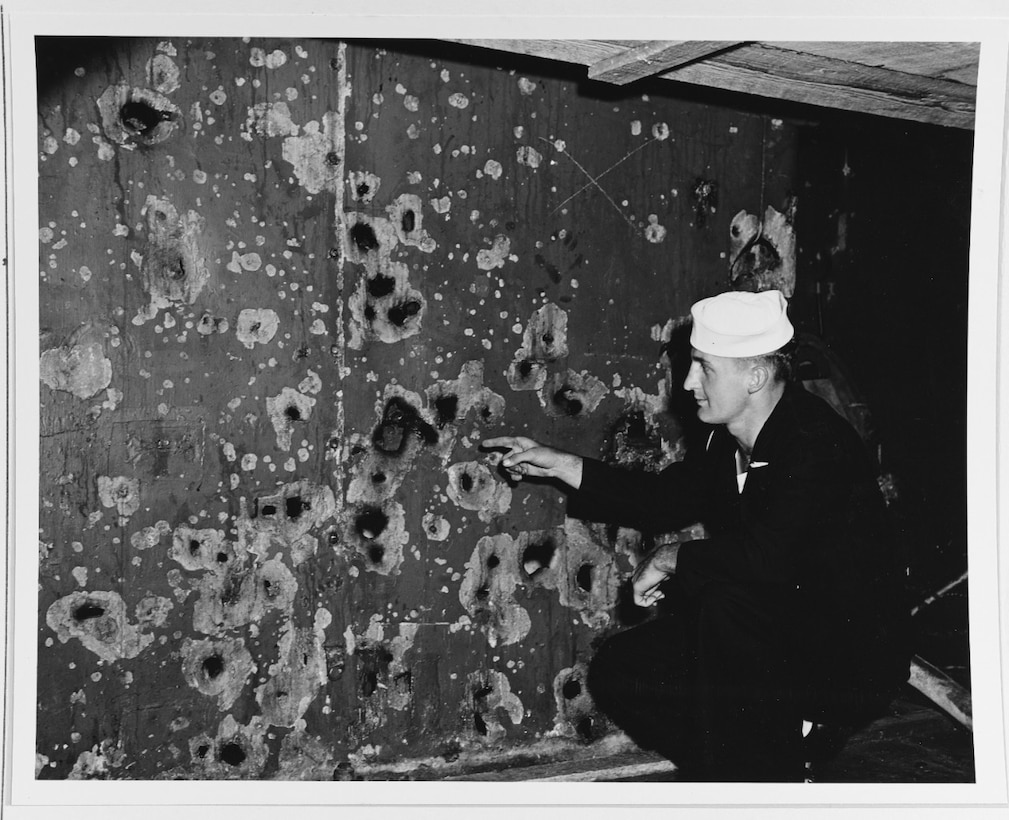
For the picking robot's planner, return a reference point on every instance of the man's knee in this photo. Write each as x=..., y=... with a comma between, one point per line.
x=727, y=608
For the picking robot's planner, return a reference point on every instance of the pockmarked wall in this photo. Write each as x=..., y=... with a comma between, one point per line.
x=287, y=288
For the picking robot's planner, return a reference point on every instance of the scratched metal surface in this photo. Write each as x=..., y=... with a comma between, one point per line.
x=287, y=287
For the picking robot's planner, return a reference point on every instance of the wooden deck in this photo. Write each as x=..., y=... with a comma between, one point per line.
x=914, y=743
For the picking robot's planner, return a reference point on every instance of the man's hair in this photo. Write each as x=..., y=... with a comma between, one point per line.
x=780, y=362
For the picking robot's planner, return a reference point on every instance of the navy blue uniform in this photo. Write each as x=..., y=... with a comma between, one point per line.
x=791, y=609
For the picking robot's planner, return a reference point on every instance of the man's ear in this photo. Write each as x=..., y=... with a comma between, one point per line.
x=760, y=375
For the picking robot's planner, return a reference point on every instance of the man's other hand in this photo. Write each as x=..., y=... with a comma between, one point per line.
x=658, y=565
x=527, y=458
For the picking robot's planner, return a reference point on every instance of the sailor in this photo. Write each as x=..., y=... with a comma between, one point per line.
x=791, y=608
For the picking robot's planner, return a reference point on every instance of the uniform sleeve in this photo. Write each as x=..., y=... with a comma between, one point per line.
x=658, y=502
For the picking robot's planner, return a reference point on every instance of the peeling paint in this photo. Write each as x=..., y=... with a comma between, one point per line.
x=496, y=255
x=363, y=186
x=384, y=306
x=488, y=590
x=576, y=713
x=217, y=668
x=162, y=74
x=98, y=620
x=288, y=411
x=202, y=549
x=654, y=232
x=544, y=341
x=312, y=152
x=572, y=394
x=153, y=610
x=270, y=120
x=762, y=252
x=80, y=367
x=173, y=264
x=527, y=155
x=296, y=678
x=406, y=215
x=472, y=486
x=236, y=752
x=286, y=521
x=257, y=326
x=237, y=596
x=490, y=693
x=259, y=58
x=132, y=116
x=99, y=762
x=436, y=527
x=456, y=401
x=378, y=534
x=121, y=492
x=304, y=757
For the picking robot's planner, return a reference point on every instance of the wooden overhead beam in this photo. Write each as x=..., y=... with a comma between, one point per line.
x=779, y=73
x=653, y=58
x=832, y=83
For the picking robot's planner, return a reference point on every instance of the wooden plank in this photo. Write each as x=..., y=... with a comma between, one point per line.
x=767, y=71
x=942, y=690
x=634, y=763
x=950, y=61
x=581, y=52
x=805, y=78
x=653, y=58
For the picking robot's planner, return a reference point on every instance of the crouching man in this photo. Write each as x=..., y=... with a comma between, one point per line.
x=792, y=609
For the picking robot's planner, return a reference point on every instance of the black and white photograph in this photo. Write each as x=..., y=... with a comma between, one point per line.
x=550, y=412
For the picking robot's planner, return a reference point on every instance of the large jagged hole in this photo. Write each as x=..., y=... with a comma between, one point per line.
x=571, y=689
x=381, y=285
x=399, y=314
x=87, y=611
x=141, y=118
x=232, y=754
x=363, y=235
x=213, y=666
x=447, y=407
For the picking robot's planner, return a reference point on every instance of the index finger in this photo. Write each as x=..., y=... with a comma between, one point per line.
x=508, y=442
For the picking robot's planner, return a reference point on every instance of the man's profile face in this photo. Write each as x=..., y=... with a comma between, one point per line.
x=719, y=386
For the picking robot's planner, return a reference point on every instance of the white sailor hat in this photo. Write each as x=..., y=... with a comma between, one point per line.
x=738, y=324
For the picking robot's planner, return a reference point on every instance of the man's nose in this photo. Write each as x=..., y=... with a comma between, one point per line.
x=691, y=381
